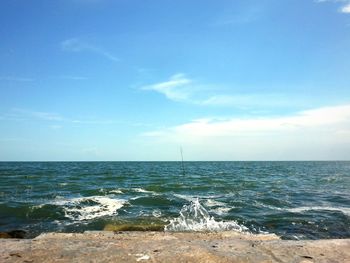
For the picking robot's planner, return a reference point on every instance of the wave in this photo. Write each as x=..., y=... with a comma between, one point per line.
x=186, y=197
x=217, y=207
x=271, y=207
x=87, y=208
x=211, y=203
x=344, y=210
x=221, y=210
x=194, y=217
x=116, y=191
x=141, y=190
x=157, y=213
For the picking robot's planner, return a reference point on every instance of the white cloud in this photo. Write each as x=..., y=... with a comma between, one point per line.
x=306, y=119
x=321, y=117
x=345, y=5
x=346, y=9
x=177, y=88
x=321, y=133
x=77, y=45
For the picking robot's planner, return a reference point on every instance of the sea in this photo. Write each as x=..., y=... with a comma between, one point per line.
x=294, y=200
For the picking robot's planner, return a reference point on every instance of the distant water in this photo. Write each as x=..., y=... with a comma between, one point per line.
x=295, y=200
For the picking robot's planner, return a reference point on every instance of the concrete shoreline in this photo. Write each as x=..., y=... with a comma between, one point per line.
x=108, y=246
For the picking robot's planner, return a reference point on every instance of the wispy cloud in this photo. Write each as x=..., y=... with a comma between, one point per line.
x=244, y=101
x=319, y=129
x=86, y=121
x=19, y=114
x=16, y=79
x=180, y=88
x=78, y=45
x=177, y=88
x=345, y=5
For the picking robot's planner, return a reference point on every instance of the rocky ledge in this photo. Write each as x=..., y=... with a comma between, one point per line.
x=170, y=247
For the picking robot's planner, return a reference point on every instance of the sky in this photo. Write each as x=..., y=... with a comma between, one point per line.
x=136, y=80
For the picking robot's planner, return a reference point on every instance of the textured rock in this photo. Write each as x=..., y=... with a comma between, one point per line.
x=170, y=247
x=13, y=234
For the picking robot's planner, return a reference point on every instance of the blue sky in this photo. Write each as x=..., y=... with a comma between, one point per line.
x=136, y=80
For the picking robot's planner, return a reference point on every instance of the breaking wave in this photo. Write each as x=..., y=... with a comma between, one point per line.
x=87, y=208
x=194, y=217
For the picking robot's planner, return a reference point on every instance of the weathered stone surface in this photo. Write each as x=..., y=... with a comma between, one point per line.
x=170, y=247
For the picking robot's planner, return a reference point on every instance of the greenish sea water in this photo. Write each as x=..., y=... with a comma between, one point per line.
x=295, y=200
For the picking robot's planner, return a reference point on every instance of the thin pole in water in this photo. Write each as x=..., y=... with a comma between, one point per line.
x=182, y=162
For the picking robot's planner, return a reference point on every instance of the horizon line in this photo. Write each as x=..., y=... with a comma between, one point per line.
x=95, y=161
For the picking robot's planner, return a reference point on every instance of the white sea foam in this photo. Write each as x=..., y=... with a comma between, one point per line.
x=157, y=213
x=221, y=210
x=221, y=207
x=268, y=206
x=344, y=210
x=37, y=206
x=116, y=191
x=194, y=217
x=211, y=203
x=86, y=208
x=141, y=190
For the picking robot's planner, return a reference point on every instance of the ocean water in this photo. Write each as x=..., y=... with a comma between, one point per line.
x=295, y=200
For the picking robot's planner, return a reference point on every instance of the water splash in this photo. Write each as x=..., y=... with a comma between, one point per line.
x=194, y=217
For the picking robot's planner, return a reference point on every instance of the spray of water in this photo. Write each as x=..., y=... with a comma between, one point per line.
x=194, y=217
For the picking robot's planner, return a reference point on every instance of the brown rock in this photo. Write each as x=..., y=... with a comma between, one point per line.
x=13, y=234
x=4, y=235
